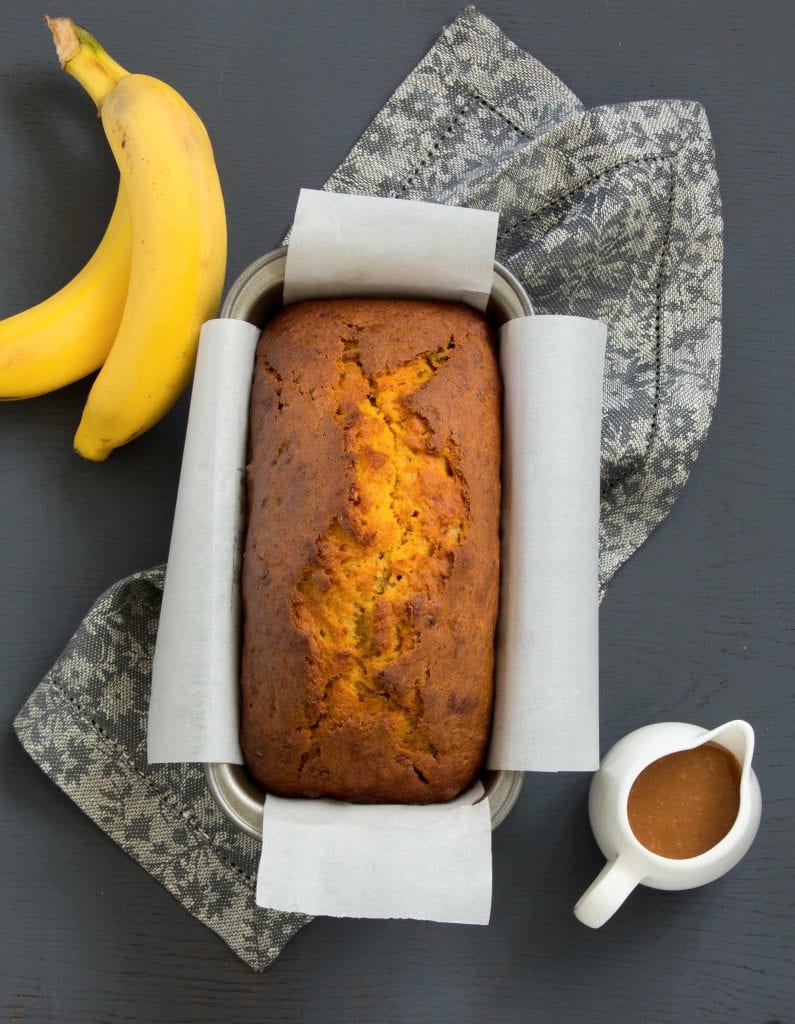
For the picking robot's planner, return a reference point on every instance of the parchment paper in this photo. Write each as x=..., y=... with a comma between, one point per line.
x=362, y=245
x=547, y=679
x=355, y=860
x=193, y=709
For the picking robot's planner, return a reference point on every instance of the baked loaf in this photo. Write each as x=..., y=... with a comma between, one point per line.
x=371, y=566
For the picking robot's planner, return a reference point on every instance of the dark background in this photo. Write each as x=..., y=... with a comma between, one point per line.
x=696, y=627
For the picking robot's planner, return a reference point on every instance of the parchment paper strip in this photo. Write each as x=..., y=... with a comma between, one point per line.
x=193, y=711
x=546, y=712
x=362, y=245
x=354, y=860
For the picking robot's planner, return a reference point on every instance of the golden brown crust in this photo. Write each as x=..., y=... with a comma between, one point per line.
x=371, y=566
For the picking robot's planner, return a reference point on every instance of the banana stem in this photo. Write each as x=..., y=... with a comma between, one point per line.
x=83, y=57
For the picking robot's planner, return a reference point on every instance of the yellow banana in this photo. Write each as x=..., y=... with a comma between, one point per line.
x=178, y=243
x=70, y=334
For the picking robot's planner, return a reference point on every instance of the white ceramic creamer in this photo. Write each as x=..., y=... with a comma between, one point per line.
x=629, y=863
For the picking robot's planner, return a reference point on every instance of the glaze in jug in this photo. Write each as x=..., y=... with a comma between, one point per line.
x=629, y=862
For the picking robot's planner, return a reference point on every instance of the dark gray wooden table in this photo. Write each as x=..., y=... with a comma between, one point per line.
x=697, y=627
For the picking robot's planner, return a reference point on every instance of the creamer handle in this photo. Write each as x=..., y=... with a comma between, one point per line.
x=607, y=892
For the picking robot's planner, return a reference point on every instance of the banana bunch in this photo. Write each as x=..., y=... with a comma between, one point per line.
x=136, y=307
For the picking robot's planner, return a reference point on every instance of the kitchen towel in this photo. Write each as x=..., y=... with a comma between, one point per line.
x=611, y=213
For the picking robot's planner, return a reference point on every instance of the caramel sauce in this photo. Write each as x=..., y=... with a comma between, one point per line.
x=682, y=804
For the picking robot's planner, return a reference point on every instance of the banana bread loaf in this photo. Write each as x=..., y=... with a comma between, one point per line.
x=371, y=564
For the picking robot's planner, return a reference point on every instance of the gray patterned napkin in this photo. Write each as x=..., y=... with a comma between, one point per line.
x=611, y=213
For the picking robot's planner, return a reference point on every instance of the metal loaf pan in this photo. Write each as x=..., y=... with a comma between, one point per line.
x=256, y=296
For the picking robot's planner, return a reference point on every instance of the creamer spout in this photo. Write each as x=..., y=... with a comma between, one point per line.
x=737, y=737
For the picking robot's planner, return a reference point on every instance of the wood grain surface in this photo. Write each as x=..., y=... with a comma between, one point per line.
x=697, y=627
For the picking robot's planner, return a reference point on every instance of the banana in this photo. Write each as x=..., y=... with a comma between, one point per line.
x=178, y=242
x=70, y=334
